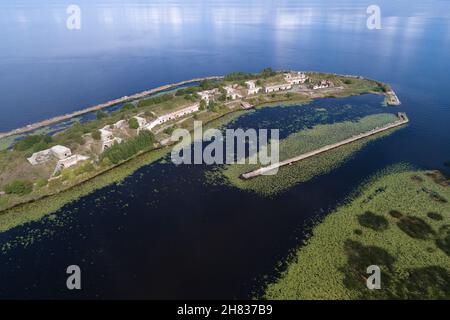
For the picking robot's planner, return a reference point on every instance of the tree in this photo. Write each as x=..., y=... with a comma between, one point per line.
x=212, y=106
x=128, y=106
x=96, y=135
x=267, y=72
x=133, y=123
x=348, y=81
x=203, y=105
x=19, y=187
x=101, y=115
x=121, y=151
x=32, y=141
x=169, y=130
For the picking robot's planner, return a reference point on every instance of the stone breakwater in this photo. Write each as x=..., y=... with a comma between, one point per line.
x=403, y=119
x=108, y=104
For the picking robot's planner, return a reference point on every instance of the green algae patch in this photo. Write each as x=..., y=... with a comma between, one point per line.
x=412, y=250
x=305, y=141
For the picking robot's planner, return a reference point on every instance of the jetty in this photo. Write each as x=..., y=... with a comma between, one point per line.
x=402, y=119
x=101, y=106
x=245, y=105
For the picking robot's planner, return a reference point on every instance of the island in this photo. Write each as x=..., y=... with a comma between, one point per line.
x=72, y=162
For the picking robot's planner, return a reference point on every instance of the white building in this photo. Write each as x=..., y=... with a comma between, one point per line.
x=278, y=87
x=60, y=152
x=107, y=138
x=69, y=162
x=252, y=88
x=323, y=84
x=208, y=95
x=296, y=78
x=232, y=93
x=173, y=115
x=120, y=124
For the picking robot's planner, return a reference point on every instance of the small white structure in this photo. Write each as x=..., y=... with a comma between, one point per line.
x=173, y=115
x=323, y=84
x=107, y=138
x=61, y=152
x=69, y=162
x=252, y=88
x=120, y=124
x=296, y=78
x=208, y=95
x=232, y=93
x=58, y=151
x=278, y=87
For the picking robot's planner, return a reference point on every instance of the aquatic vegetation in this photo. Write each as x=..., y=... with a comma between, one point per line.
x=305, y=141
x=412, y=252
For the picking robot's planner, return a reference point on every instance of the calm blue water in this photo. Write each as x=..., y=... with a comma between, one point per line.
x=164, y=233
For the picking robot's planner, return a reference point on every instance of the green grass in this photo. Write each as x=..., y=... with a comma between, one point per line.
x=412, y=249
x=305, y=141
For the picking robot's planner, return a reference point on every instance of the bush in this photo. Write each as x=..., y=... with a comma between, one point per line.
x=133, y=123
x=128, y=106
x=96, y=135
x=188, y=90
x=191, y=97
x=169, y=130
x=85, y=168
x=267, y=72
x=238, y=76
x=208, y=84
x=348, y=81
x=42, y=145
x=20, y=187
x=101, y=115
x=125, y=150
x=40, y=142
x=213, y=106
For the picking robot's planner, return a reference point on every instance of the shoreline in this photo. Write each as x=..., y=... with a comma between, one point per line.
x=391, y=96
x=67, y=116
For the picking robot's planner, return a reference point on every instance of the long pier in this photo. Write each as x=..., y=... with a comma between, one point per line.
x=403, y=119
x=111, y=103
